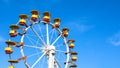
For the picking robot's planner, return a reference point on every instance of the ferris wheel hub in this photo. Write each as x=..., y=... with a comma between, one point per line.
x=48, y=48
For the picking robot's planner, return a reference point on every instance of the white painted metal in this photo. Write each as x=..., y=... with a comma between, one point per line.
x=67, y=47
x=38, y=59
x=48, y=50
x=51, y=51
x=60, y=51
x=47, y=36
x=68, y=55
x=51, y=54
x=22, y=51
x=32, y=46
x=56, y=40
x=57, y=63
x=38, y=36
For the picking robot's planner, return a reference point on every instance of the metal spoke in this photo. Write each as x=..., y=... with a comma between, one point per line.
x=58, y=45
x=56, y=40
x=38, y=36
x=30, y=35
x=41, y=32
x=37, y=50
x=47, y=36
x=57, y=63
x=31, y=40
x=60, y=51
x=32, y=46
x=17, y=23
x=33, y=55
x=52, y=35
x=42, y=63
x=38, y=59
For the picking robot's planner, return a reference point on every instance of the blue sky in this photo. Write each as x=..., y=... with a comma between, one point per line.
x=94, y=24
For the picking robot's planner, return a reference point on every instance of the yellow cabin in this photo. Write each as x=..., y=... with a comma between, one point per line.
x=8, y=50
x=65, y=33
x=34, y=17
x=74, y=58
x=10, y=66
x=71, y=45
x=22, y=22
x=12, y=31
x=46, y=17
x=57, y=22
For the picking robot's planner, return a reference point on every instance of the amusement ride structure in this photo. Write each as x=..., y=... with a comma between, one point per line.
x=36, y=36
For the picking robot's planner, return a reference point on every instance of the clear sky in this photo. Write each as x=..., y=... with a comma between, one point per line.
x=94, y=24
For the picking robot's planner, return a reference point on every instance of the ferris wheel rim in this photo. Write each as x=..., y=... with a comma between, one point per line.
x=64, y=39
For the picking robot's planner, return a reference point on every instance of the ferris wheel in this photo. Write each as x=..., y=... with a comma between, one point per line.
x=36, y=42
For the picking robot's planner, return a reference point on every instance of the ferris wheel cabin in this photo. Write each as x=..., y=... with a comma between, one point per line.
x=35, y=15
x=46, y=17
x=22, y=20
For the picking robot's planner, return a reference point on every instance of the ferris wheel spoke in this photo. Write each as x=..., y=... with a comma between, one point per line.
x=59, y=31
x=58, y=65
x=56, y=40
x=38, y=36
x=31, y=39
x=31, y=35
x=62, y=55
x=42, y=63
x=30, y=46
x=41, y=32
x=58, y=45
x=52, y=33
x=33, y=45
x=17, y=23
x=9, y=56
x=33, y=55
x=38, y=59
x=37, y=46
x=47, y=34
x=60, y=51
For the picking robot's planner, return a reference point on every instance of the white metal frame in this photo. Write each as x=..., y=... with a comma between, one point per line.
x=52, y=62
